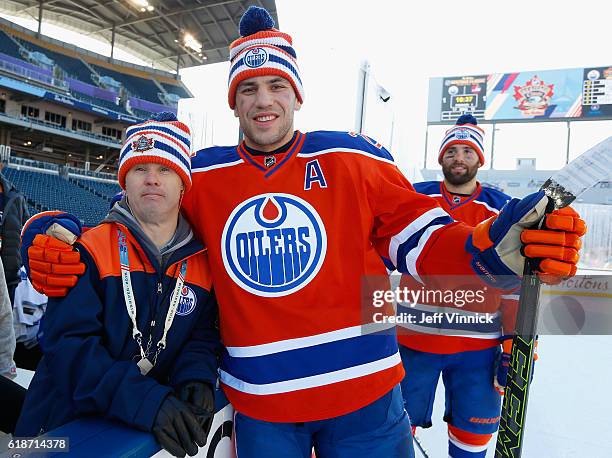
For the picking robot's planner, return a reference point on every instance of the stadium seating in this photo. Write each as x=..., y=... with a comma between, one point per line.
x=143, y=91
x=101, y=188
x=72, y=66
x=46, y=191
x=139, y=87
x=178, y=90
x=8, y=46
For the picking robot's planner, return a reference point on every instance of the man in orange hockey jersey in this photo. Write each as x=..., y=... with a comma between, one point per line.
x=293, y=222
x=466, y=354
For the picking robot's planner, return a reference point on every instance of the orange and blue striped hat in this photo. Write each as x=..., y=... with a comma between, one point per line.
x=464, y=132
x=262, y=50
x=161, y=140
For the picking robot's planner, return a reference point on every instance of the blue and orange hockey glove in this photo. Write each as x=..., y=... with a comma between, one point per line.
x=522, y=230
x=48, y=256
x=502, y=364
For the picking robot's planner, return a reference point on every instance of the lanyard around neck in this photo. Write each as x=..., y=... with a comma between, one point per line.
x=130, y=302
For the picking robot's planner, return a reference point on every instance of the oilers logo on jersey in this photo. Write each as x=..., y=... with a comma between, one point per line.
x=187, y=301
x=273, y=244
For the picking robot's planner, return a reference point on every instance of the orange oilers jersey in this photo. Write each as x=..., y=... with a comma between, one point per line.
x=442, y=336
x=290, y=237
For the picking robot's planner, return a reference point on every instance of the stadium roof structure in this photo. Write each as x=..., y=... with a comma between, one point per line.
x=166, y=32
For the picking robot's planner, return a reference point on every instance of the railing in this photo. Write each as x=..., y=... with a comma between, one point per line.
x=30, y=74
x=63, y=129
x=13, y=160
x=92, y=91
x=91, y=173
x=145, y=105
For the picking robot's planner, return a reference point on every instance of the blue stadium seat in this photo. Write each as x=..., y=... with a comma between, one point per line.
x=51, y=192
x=72, y=66
x=142, y=88
x=8, y=46
x=178, y=90
x=106, y=189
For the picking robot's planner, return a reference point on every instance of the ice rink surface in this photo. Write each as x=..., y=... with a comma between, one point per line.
x=569, y=414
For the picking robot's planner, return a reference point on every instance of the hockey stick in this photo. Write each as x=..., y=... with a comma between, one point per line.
x=419, y=445
x=562, y=188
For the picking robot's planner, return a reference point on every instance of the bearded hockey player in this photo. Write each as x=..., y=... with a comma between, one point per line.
x=473, y=368
x=293, y=221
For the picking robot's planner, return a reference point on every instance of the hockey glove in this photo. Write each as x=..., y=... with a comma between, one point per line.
x=50, y=261
x=553, y=249
x=496, y=244
x=177, y=429
x=200, y=397
x=502, y=364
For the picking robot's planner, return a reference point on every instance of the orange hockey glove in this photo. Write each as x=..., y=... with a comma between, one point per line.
x=52, y=264
x=553, y=249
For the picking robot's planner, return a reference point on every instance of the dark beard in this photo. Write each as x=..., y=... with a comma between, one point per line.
x=458, y=180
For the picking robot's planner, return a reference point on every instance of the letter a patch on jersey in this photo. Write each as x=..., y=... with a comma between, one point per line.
x=314, y=174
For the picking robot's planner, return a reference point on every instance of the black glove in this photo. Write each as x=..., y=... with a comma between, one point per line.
x=176, y=428
x=200, y=397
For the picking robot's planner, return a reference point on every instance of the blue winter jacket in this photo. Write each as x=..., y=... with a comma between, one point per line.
x=89, y=363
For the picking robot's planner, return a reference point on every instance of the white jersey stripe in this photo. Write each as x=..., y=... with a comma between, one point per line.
x=312, y=381
x=303, y=342
x=486, y=205
x=346, y=150
x=467, y=447
x=413, y=255
x=217, y=166
x=415, y=226
x=450, y=332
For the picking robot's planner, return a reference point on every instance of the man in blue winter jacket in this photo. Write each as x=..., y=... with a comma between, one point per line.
x=136, y=339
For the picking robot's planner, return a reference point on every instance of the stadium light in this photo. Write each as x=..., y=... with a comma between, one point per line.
x=192, y=43
x=141, y=3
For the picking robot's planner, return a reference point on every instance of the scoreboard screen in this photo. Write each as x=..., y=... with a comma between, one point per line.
x=597, y=92
x=562, y=94
x=464, y=94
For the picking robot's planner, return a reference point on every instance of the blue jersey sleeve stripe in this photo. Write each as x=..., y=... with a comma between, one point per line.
x=208, y=157
x=413, y=241
x=331, y=141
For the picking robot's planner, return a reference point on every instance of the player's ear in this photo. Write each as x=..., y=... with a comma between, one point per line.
x=298, y=105
x=236, y=112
